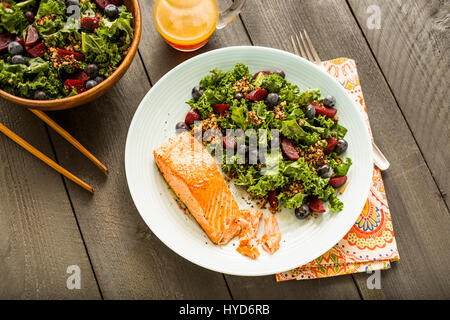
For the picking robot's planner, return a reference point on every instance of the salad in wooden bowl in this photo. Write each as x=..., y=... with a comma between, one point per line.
x=57, y=54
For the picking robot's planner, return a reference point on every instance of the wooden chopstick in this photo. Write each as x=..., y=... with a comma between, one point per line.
x=63, y=133
x=44, y=158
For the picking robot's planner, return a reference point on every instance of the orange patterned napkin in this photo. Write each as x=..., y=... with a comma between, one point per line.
x=370, y=244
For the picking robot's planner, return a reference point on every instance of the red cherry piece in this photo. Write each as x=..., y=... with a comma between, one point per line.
x=316, y=205
x=332, y=143
x=265, y=73
x=191, y=117
x=90, y=24
x=324, y=111
x=102, y=3
x=5, y=39
x=78, y=85
x=289, y=150
x=81, y=75
x=76, y=55
x=337, y=182
x=220, y=108
x=38, y=50
x=257, y=95
x=32, y=36
x=115, y=2
x=229, y=142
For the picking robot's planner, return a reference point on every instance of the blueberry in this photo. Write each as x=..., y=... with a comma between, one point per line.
x=91, y=70
x=341, y=146
x=99, y=79
x=181, y=126
x=90, y=84
x=325, y=171
x=303, y=212
x=310, y=111
x=40, y=95
x=15, y=48
x=120, y=9
x=111, y=11
x=29, y=15
x=329, y=101
x=197, y=92
x=18, y=59
x=239, y=96
x=280, y=72
x=272, y=99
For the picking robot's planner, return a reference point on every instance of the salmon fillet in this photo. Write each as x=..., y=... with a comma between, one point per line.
x=249, y=223
x=193, y=175
x=270, y=241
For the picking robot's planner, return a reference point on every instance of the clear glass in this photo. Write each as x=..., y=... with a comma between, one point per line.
x=187, y=25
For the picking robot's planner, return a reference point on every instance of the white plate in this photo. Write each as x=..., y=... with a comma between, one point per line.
x=154, y=122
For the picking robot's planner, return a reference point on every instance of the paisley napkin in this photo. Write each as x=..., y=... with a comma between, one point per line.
x=370, y=244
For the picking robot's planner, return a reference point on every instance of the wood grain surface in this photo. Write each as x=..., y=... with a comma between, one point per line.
x=412, y=47
x=420, y=216
x=39, y=237
x=404, y=75
x=130, y=262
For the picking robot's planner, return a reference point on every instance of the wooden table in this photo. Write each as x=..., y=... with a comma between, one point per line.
x=48, y=223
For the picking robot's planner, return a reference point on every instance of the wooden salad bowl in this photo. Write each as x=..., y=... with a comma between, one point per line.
x=101, y=88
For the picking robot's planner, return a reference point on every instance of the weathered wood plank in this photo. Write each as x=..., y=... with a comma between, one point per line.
x=159, y=58
x=39, y=237
x=420, y=216
x=412, y=48
x=129, y=261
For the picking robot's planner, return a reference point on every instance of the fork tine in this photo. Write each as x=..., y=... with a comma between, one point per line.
x=294, y=46
x=314, y=52
x=310, y=58
x=301, y=48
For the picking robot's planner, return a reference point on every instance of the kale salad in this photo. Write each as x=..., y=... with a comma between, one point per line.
x=51, y=49
x=303, y=165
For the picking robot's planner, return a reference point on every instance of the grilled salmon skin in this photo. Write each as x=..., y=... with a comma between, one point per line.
x=193, y=175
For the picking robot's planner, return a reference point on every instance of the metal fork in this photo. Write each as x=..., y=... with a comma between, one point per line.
x=303, y=47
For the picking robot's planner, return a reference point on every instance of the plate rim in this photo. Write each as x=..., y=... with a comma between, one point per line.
x=338, y=235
